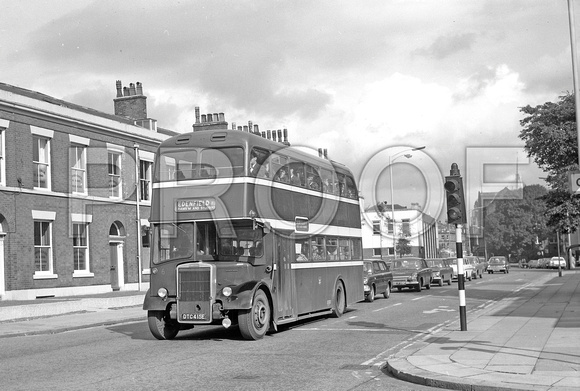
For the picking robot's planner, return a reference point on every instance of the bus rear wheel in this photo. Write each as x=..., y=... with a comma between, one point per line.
x=254, y=323
x=161, y=327
x=338, y=300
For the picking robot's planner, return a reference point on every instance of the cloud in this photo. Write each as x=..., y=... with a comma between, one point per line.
x=449, y=45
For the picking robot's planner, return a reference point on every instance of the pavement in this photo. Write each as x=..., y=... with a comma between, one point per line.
x=530, y=340
x=60, y=314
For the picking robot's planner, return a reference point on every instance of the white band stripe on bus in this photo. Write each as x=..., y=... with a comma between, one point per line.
x=315, y=265
x=257, y=181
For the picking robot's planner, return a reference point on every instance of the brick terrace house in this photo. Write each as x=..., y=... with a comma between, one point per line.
x=74, y=194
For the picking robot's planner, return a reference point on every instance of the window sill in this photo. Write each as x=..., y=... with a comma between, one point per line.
x=44, y=276
x=82, y=274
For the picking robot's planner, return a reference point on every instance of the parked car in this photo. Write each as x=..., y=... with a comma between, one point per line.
x=534, y=264
x=377, y=279
x=411, y=273
x=556, y=262
x=543, y=263
x=467, y=268
x=478, y=268
x=441, y=272
x=524, y=264
x=498, y=264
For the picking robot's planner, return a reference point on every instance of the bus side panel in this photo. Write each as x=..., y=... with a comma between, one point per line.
x=310, y=289
x=354, y=283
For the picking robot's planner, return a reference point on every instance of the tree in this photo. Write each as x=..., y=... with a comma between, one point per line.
x=516, y=225
x=550, y=136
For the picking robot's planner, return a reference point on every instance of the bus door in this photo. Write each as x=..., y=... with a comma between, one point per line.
x=284, y=279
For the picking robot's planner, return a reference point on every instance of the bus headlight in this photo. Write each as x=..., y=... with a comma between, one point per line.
x=162, y=292
x=227, y=291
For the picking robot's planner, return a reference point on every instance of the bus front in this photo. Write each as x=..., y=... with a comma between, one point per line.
x=208, y=250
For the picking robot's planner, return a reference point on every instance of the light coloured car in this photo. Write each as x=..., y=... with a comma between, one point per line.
x=556, y=262
x=468, y=268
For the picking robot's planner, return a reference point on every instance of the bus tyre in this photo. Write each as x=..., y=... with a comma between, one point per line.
x=161, y=327
x=371, y=296
x=338, y=300
x=387, y=292
x=254, y=323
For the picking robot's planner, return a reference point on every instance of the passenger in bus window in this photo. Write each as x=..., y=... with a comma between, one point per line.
x=344, y=253
x=282, y=176
x=313, y=184
x=301, y=251
x=317, y=253
x=295, y=178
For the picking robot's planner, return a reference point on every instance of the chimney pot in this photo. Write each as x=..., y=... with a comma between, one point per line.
x=319, y=152
x=256, y=129
x=196, y=114
x=139, y=88
x=203, y=118
x=240, y=128
x=209, y=117
x=125, y=91
x=132, y=89
x=216, y=117
x=119, y=89
x=279, y=135
x=233, y=126
x=269, y=134
x=222, y=117
x=245, y=128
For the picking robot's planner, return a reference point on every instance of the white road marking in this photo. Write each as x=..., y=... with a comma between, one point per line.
x=389, y=306
x=438, y=310
x=422, y=297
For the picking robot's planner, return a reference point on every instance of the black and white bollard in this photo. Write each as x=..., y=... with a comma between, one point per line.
x=460, y=278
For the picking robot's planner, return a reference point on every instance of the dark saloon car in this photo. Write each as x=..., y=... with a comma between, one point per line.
x=441, y=272
x=412, y=273
x=377, y=279
x=498, y=264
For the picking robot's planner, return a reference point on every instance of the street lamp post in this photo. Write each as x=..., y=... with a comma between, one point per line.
x=392, y=160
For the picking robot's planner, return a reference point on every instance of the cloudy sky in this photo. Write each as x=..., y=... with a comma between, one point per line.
x=365, y=79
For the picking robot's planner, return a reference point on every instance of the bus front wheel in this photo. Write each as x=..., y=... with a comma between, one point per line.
x=254, y=322
x=160, y=327
x=338, y=301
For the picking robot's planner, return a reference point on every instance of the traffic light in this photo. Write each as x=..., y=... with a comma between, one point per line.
x=455, y=200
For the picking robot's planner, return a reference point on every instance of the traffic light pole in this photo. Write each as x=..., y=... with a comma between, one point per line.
x=460, y=278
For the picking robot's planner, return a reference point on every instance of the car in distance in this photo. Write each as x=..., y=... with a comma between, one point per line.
x=412, y=273
x=478, y=268
x=543, y=263
x=534, y=264
x=441, y=272
x=498, y=264
x=468, y=268
x=556, y=262
x=377, y=279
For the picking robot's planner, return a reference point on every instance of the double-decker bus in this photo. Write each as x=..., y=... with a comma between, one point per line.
x=249, y=231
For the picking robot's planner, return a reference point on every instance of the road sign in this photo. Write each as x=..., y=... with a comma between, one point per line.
x=574, y=182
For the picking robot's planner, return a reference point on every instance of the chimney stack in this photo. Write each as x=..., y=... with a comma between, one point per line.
x=131, y=103
x=209, y=121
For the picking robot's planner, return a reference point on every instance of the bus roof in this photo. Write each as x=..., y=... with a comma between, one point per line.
x=226, y=138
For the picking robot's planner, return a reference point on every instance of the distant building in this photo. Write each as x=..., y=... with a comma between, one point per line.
x=75, y=188
x=381, y=232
